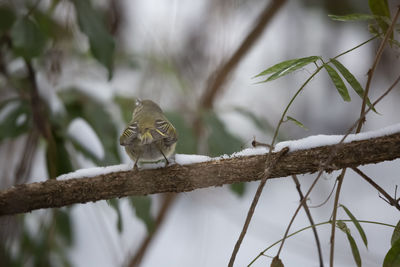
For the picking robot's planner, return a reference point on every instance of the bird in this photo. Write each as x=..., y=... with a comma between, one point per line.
x=149, y=136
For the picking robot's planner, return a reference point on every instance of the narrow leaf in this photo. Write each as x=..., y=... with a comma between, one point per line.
x=296, y=122
x=396, y=234
x=392, y=258
x=298, y=64
x=342, y=226
x=351, y=80
x=101, y=42
x=356, y=224
x=64, y=225
x=142, y=206
x=354, y=250
x=380, y=8
x=220, y=140
x=287, y=67
x=7, y=18
x=352, y=17
x=278, y=67
x=338, y=82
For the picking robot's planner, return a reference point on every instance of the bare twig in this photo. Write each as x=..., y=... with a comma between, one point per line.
x=307, y=210
x=40, y=119
x=166, y=205
x=334, y=213
x=25, y=164
x=176, y=178
x=371, y=71
x=392, y=201
x=326, y=200
x=332, y=154
x=216, y=81
x=271, y=164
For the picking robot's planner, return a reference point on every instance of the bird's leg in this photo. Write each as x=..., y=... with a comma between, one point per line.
x=166, y=160
x=135, y=166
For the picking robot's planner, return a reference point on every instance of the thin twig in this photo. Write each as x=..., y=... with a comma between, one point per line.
x=166, y=205
x=331, y=155
x=25, y=164
x=307, y=210
x=334, y=214
x=392, y=201
x=266, y=175
x=308, y=227
x=371, y=71
x=216, y=81
x=326, y=200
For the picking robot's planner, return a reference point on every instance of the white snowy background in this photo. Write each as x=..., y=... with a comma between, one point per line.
x=203, y=225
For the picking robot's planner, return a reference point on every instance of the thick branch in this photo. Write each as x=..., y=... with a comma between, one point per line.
x=176, y=178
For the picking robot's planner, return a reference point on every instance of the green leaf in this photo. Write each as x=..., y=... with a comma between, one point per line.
x=357, y=225
x=380, y=8
x=220, y=141
x=342, y=226
x=186, y=139
x=7, y=18
x=126, y=105
x=354, y=249
x=276, y=262
x=57, y=157
x=16, y=120
x=286, y=67
x=396, y=234
x=51, y=27
x=392, y=258
x=296, y=122
x=101, y=42
x=338, y=82
x=114, y=203
x=261, y=123
x=352, y=17
x=142, y=205
x=238, y=188
x=63, y=225
x=27, y=39
x=351, y=80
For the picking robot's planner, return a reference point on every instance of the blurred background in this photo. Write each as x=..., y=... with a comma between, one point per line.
x=70, y=72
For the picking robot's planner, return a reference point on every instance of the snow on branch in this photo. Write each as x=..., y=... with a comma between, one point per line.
x=118, y=181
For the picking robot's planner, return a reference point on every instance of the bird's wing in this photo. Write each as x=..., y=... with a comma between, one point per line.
x=164, y=130
x=130, y=133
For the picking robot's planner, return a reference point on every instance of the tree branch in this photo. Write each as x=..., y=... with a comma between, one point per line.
x=176, y=178
x=216, y=81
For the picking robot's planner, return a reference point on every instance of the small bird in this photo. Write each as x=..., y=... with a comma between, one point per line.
x=149, y=136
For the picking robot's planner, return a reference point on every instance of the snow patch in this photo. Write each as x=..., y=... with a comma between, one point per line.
x=327, y=140
x=91, y=172
x=184, y=159
x=83, y=134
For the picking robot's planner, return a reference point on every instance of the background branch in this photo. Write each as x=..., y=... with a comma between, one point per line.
x=307, y=210
x=176, y=178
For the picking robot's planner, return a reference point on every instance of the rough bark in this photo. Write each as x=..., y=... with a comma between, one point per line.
x=176, y=178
